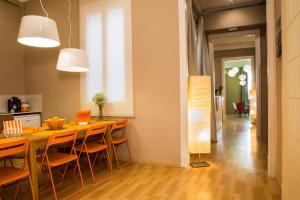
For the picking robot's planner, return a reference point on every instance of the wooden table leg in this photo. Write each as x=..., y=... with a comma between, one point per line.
x=34, y=169
x=108, y=143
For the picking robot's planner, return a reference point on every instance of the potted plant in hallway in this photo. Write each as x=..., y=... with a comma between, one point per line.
x=99, y=100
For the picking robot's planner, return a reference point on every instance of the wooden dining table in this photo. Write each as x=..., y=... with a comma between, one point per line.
x=39, y=140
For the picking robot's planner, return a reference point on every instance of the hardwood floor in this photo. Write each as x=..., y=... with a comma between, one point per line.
x=237, y=172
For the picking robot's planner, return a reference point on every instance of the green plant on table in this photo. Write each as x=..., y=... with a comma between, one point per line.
x=99, y=100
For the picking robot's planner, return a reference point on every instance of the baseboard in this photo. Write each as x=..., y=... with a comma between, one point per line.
x=157, y=162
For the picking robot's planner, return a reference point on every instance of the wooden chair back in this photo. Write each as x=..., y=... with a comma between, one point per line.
x=13, y=147
x=119, y=125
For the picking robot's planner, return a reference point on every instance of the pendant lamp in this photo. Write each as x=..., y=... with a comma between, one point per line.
x=72, y=59
x=38, y=31
x=242, y=77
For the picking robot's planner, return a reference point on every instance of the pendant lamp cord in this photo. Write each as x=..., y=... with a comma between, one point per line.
x=43, y=8
x=70, y=24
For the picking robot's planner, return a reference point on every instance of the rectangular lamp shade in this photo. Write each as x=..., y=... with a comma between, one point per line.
x=199, y=114
x=252, y=99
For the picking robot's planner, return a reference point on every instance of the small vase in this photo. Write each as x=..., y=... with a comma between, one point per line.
x=100, y=112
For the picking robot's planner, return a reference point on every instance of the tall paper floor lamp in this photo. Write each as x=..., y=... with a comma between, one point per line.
x=199, y=117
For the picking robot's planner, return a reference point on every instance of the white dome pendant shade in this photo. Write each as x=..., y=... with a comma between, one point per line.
x=231, y=73
x=243, y=83
x=38, y=31
x=242, y=77
x=247, y=68
x=72, y=60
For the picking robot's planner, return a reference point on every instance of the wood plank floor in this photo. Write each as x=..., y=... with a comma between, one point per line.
x=237, y=172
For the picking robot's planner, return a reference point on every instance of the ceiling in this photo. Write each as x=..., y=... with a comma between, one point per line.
x=236, y=40
x=211, y=5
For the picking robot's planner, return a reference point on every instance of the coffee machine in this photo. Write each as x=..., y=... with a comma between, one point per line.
x=14, y=105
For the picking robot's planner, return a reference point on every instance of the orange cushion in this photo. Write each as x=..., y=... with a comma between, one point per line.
x=12, y=127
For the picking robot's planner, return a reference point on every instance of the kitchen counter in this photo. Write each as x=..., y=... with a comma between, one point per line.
x=24, y=113
x=20, y=113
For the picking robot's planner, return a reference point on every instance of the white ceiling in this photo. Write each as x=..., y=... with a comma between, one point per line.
x=220, y=4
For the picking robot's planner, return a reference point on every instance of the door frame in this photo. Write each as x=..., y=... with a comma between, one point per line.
x=184, y=154
x=273, y=115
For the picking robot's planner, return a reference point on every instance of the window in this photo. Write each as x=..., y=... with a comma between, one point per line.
x=105, y=30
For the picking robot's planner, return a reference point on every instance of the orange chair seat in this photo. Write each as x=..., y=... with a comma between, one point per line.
x=91, y=147
x=10, y=174
x=119, y=140
x=57, y=159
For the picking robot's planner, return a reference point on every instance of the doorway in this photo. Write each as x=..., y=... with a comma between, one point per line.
x=238, y=81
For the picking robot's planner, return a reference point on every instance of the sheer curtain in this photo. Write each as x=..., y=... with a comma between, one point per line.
x=105, y=33
x=206, y=68
x=191, y=39
x=198, y=58
x=202, y=50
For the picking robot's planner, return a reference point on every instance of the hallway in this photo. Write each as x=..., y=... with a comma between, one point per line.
x=237, y=171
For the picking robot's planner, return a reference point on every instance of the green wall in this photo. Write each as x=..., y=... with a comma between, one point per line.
x=233, y=92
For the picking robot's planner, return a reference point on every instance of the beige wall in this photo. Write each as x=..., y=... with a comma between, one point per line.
x=156, y=127
x=60, y=90
x=248, y=16
x=227, y=54
x=11, y=52
x=290, y=100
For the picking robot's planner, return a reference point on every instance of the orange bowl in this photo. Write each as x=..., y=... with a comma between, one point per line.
x=55, y=123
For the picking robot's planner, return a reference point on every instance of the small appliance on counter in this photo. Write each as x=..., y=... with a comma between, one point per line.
x=25, y=107
x=14, y=105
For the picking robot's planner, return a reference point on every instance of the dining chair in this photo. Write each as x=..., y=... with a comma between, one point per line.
x=10, y=147
x=94, y=146
x=25, y=130
x=52, y=159
x=119, y=137
x=4, y=117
